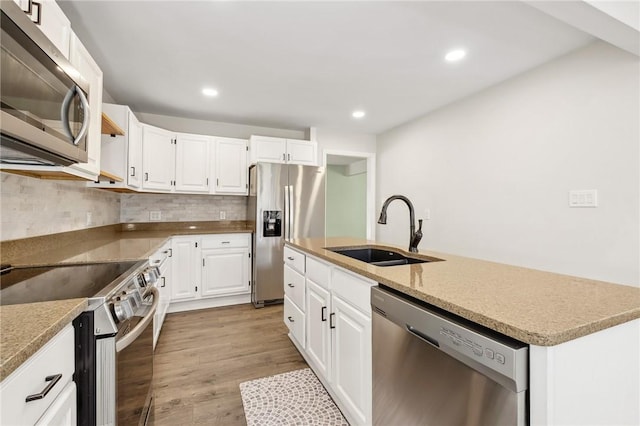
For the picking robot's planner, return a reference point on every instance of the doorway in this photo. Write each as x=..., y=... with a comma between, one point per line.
x=350, y=194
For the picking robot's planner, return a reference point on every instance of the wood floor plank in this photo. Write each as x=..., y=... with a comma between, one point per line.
x=202, y=357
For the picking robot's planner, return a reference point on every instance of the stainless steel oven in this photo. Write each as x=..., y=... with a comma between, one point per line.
x=113, y=336
x=45, y=111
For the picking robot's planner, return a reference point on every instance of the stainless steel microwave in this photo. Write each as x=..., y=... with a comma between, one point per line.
x=45, y=111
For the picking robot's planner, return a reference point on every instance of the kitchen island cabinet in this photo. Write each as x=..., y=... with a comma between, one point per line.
x=584, y=335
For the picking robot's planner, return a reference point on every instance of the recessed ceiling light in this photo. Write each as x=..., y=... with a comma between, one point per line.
x=358, y=114
x=209, y=92
x=455, y=55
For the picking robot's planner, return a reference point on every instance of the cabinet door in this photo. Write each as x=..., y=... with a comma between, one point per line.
x=268, y=149
x=351, y=362
x=302, y=152
x=134, y=154
x=158, y=158
x=192, y=171
x=185, y=271
x=63, y=411
x=225, y=271
x=54, y=24
x=318, y=336
x=83, y=62
x=231, y=166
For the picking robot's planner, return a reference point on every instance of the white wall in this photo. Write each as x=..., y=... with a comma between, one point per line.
x=332, y=139
x=495, y=169
x=214, y=128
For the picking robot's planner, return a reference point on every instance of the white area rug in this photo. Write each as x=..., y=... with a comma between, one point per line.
x=293, y=398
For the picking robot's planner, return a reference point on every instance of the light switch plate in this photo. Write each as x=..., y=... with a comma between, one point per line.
x=583, y=198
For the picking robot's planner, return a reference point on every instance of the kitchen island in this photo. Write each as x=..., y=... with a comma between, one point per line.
x=584, y=335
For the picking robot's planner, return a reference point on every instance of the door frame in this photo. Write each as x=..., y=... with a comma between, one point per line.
x=371, y=183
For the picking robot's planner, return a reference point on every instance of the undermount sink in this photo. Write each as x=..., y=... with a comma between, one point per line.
x=380, y=257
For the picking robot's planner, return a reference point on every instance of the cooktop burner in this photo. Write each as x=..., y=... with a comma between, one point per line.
x=58, y=282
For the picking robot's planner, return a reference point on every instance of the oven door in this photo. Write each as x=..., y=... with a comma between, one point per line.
x=134, y=367
x=45, y=110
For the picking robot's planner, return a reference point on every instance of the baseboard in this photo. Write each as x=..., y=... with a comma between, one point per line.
x=214, y=302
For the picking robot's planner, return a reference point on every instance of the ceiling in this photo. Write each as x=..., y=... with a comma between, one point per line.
x=295, y=65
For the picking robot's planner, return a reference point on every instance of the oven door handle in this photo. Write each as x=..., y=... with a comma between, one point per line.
x=128, y=338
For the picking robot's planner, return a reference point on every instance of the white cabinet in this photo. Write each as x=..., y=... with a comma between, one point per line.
x=121, y=156
x=81, y=59
x=351, y=358
x=336, y=338
x=158, y=158
x=185, y=271
x=279, y=150
x=210, y=270
x=162, y=260
x=231, y=166
x=53, y=23
x=192, y=163
x=53, y=365
x=318, y=307
x=225, y=265
x=63, y=411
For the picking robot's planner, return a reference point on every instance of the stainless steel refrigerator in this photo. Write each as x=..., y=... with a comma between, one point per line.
x=286, y=202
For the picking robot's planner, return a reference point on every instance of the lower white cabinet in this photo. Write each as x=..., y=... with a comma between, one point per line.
x=336, y=337
x=50, y=368
x=210, y=270
x=318, y=332
x=63, y=411
x=351, y=358
x=162, y=259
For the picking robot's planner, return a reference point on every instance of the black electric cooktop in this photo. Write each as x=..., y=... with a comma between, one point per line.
x=58, y=282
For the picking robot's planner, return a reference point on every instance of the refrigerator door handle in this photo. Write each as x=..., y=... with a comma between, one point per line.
x=291, y=209
x=286, y=212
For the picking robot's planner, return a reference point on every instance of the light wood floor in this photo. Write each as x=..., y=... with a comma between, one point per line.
x=202, y=356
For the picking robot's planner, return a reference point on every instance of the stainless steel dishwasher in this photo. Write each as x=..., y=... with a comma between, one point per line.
x=433, y=369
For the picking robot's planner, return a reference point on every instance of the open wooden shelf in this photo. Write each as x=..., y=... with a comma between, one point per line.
x=109, y=127
x=110, y=177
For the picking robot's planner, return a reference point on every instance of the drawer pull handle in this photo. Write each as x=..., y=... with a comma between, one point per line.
x=290, y=319
x=226, y=242
x=53, y=380
x=290, y=258
x=291, y=285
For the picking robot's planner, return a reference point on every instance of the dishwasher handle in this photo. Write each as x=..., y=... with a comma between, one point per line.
x=420, y=335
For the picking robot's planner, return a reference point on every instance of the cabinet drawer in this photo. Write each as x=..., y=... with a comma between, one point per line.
x=294, y=258
x=56, y=357
x=294, y=286
x=352, y=288
x=225, y=241
x=318, y=272
x=294, y=319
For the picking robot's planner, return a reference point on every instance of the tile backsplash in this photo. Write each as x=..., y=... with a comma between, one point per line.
x=32, y=207
x=182, y=207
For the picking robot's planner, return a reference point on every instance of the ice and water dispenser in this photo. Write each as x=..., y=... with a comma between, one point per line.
x=272, y=223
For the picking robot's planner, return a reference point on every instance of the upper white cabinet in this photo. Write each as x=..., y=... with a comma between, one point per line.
x=192, y=165
x=285, y=151
x=230, y=163
x=52, y=22
x=121, y=156
x=81, y=59
x=158, y=158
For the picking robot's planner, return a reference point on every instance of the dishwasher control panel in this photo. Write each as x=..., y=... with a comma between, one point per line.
x=476, y=348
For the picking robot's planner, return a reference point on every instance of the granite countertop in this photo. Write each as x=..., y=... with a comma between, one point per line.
x=25, y=328
x=536, y=307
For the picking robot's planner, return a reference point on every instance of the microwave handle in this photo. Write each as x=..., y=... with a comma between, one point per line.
x=64, y=112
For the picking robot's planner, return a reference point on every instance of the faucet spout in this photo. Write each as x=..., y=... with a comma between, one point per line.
x=414, y=237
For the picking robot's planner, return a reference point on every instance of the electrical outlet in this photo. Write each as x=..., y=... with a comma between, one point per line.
x=89, y=218
x=223, y=215
x=155, y=215
x=583, y=198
